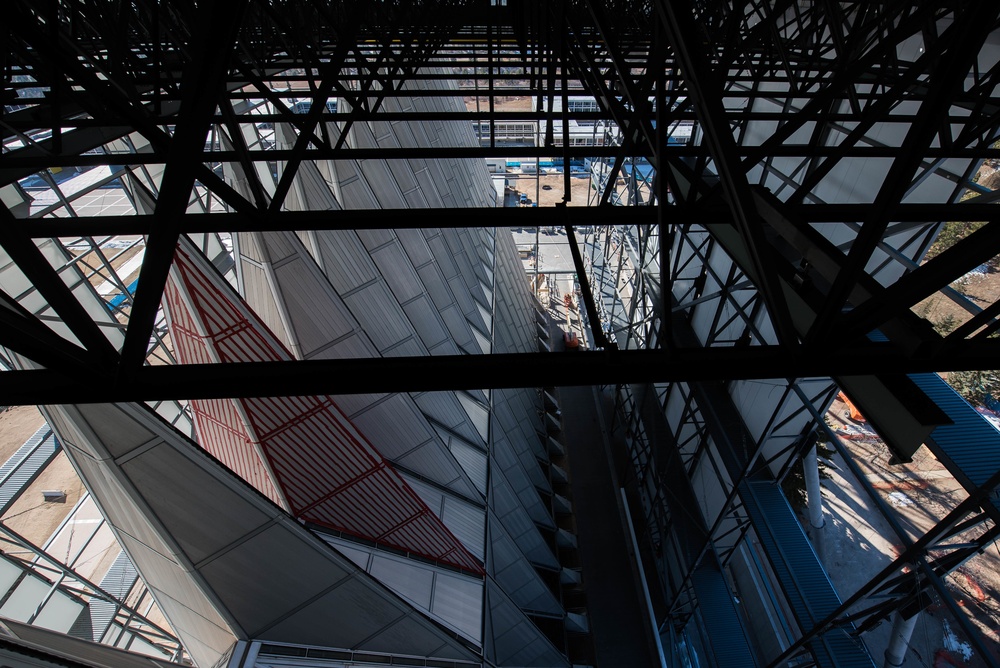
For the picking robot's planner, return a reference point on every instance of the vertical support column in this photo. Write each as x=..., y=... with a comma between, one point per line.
x=814, y=495
x=899, y=639
x=814, y=498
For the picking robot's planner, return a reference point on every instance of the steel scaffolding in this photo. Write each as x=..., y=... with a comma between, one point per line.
x=769, y=177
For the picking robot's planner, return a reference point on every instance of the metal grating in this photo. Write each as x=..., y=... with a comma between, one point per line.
x=721, y=620
x=807, y=588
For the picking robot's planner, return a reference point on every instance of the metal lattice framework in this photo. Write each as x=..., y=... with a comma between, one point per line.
x=783, y=241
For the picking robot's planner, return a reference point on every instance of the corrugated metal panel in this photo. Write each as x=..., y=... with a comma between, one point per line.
x=405, y=437
x=410, y=347
x=353, y=189
x=436, y=285
x=415, y=247
x=118, y=581
x=485, y=319
x=426, y=322
x=514, y=312
x=24, y=465
x=507, y=461
x=345, y=260
x=433, y=461
x=378, y=177
x=516, y=414
x=518, y=524
x=218, y=423
x=478, y=414
x=278, y=246
x=466, y=520
x=357, y=345
x=442, y=254
x=406, y=578
x=517, y=577
x=393, y=423
x=971, y=444
x=484, y=344
x=258, y=290
x=526, y=405
x=460, y=289
x=458, y=601
x=313, y=189
x=472, y=460
x=373, y=239
x=265, y=566
x=416, y=199
x=221, y=431
x=352, y=404
x=429, y=187
x=454, y=600
x=328, y=472
x=446, y=409
x=467, y=255
x=398, y=272
x=302, y=287
x=459, y=328
x=249, y=247
x=403, y=170
x=513, y=640
x=379, y=315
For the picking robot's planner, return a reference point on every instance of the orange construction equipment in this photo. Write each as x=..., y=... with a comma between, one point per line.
x=855, y=413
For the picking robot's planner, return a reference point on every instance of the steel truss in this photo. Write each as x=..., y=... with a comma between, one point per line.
x=830, y=140
x=35, y=563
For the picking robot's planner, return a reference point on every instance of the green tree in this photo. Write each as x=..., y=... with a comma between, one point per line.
x=974, y=386
x=946, y=325
x=951, y=234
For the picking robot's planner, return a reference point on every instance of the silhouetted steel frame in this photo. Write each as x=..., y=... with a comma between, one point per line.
x=71, y=365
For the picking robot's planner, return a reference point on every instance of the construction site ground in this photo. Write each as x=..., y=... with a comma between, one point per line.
x=857, y=543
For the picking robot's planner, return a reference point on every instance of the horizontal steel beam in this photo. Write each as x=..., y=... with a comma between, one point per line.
x=708, y=216
x=14, y=161
x=265, y=221
x=452, y=372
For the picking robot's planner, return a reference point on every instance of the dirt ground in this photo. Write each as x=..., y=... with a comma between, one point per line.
x=534, y=187
x=982, y=289
x=36, y=519
x=29, y=515
x=17, y=424
x=509, y=103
